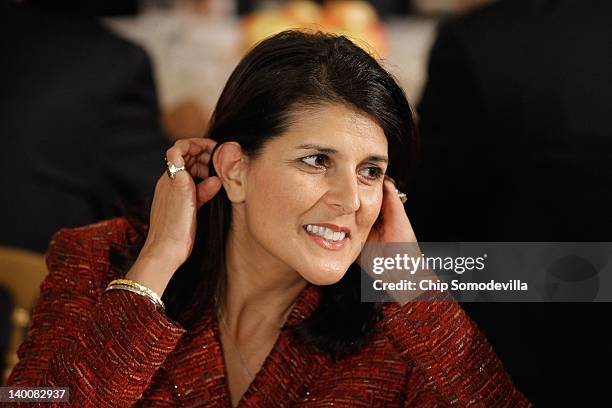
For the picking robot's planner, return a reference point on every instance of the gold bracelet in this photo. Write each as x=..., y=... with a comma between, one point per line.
x=158, y=304
x=132, y=286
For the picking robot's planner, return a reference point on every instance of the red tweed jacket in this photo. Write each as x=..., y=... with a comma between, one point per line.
x=113, y=349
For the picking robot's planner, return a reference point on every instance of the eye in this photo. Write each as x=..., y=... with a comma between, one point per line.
x=316, y=160
x=374, y=173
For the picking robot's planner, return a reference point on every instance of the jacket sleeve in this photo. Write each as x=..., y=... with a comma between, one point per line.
x=104, y=346
x=453, y=363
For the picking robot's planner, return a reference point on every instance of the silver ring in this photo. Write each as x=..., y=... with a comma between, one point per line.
x=172, y=169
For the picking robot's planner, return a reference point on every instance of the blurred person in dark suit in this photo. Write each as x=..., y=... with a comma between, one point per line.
x=516, y=146
x=79, y=121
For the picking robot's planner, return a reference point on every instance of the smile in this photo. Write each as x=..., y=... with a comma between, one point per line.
x=325, y=232
x=327, y=238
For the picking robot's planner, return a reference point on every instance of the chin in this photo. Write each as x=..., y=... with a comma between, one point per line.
x=323, y=277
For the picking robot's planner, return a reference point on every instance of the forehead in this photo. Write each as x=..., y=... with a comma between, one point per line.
x=337, y=126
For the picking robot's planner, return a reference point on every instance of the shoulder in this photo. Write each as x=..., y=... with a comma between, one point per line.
x=81, y=256
x=472, y=49
x=493, y=24
x=490, y=15
x=91, y=238
x=127, y=55
x=91, y=39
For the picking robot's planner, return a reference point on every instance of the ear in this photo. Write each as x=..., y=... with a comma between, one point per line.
x=231, y=166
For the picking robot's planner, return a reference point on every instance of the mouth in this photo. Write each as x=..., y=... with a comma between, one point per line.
x=328, y=238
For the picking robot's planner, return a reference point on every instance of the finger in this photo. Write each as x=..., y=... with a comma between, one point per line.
x=207, y=189
x=175, y=158
x=197, y=166
x=199, y=170
x=200, y=160
x=196, y=145
x=191, y=147
x=391, y=199
x=393, y=210
x=186, y=152
x=386, y=210
x=207, y=143
x=190, y=161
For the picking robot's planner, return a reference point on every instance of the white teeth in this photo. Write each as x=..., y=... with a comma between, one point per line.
x=326, y=233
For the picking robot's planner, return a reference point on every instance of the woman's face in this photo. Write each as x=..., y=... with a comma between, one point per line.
x=324, y=174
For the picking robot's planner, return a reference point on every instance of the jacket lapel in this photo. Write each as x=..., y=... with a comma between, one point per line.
x=197, y=372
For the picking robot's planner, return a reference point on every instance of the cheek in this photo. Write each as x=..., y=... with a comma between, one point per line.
x=279, y=202
x=370, y=209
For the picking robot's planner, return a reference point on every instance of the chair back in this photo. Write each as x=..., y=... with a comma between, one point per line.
x=21, y=273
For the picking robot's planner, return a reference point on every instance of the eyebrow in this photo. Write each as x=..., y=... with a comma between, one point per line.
x=331, y=150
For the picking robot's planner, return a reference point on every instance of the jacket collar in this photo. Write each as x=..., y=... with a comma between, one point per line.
x=307, y=302
x=197, y=372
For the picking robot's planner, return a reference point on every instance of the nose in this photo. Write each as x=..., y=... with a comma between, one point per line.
x=344, y=193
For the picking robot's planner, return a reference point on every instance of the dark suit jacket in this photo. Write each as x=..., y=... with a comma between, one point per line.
x=517, y=138
x=78, y=124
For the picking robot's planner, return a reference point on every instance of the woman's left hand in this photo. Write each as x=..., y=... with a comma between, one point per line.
x=394, y=225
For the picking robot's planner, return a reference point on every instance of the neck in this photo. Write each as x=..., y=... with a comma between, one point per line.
x=260, y=292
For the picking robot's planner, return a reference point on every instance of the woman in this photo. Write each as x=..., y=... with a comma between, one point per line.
x=253, y=238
